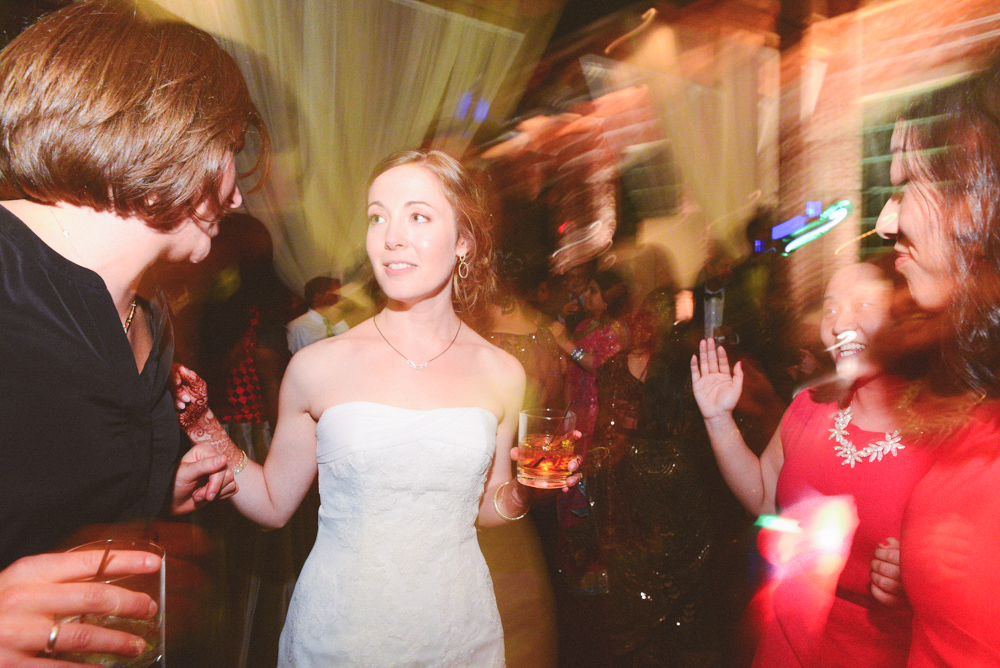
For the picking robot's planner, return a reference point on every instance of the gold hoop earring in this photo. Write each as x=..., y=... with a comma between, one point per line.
x=463, y=267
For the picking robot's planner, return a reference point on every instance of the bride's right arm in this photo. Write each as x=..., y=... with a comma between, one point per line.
x=269, y=494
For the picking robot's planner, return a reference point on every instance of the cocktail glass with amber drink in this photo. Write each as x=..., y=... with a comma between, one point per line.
x=546, y=447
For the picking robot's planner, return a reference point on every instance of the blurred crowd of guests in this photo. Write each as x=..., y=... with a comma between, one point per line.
x=691, y=423
x=646, y=563
x=649, y=556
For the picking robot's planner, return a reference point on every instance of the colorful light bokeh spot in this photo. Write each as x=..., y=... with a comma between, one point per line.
x=807, y=546
x=812, y=528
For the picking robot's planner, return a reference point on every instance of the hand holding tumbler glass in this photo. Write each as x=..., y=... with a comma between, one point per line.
x=151, y=630
x=546, y=446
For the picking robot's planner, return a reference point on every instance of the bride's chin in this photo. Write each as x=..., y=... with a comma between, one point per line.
x=411, y=295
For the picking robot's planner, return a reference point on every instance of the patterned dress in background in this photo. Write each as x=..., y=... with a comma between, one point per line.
x=581, y=386
x=543, y=363
x=664, y=530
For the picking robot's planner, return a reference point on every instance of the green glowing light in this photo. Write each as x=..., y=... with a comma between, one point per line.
x=776, y=523
x=829, y=219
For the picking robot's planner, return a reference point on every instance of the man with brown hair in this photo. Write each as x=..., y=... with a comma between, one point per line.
x=118, y=135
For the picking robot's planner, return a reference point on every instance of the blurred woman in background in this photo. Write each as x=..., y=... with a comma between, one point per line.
x=523, y=331
x=867, y=461
x=668, y=532
x=945, y=220
x=513, y=551
x=598, y=337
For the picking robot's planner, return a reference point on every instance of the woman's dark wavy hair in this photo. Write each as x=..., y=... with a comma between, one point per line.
x=614, y=292
x=668, y=407
x=955, y=137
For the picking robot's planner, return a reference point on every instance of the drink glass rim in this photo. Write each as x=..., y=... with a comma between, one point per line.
x=119, y=545
x=548, y=413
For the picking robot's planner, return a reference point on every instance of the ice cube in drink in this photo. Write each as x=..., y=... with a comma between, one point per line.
x=544, y=461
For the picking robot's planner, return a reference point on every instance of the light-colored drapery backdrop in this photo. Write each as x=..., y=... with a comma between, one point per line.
x=717, y=98
x=343, y=83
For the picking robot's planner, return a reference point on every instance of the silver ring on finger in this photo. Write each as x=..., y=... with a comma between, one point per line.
x=50, y=646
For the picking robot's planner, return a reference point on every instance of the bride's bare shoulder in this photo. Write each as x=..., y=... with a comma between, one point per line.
x=334, y=351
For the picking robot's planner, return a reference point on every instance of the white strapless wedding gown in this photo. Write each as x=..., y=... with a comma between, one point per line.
x=396, y=577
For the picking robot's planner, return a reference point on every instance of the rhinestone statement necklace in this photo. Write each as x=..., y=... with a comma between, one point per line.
x=411, y=363
x=873, y=451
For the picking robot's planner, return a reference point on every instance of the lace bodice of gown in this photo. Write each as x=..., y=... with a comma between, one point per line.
x=396, y=577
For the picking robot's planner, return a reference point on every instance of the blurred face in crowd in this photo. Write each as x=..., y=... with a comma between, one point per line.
x=651, y=320
x=594, y=300
x=575, y=280
x=718, y=269
x=542, y=293
x=193, y=237
x=643, y=327
x=328, y=297
x=413, y=239
x=913, y=216
x=855, y=306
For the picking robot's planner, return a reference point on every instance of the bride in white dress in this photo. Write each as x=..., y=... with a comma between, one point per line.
x=409, y=419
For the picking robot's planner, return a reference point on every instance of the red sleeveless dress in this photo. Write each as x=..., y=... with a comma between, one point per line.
x=858, y=631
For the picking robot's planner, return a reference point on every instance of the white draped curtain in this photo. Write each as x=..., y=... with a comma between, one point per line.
x=343, y=83
x=718, y=100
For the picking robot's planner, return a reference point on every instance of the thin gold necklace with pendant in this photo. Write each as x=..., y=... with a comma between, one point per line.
x=411, y=363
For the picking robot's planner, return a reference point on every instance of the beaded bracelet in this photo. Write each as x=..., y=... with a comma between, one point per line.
x=496, y=506
x=243, y=463
x=578, y=354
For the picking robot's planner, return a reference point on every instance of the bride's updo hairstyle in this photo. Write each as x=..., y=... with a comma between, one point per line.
x=472, y=293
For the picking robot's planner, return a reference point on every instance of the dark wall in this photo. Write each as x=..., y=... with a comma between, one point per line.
x=17, y=15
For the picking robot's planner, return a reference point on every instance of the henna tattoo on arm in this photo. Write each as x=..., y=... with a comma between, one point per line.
x=209, y=430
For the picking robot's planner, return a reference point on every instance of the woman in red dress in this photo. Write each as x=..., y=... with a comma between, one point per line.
x=830, y=444
x=945, y=220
